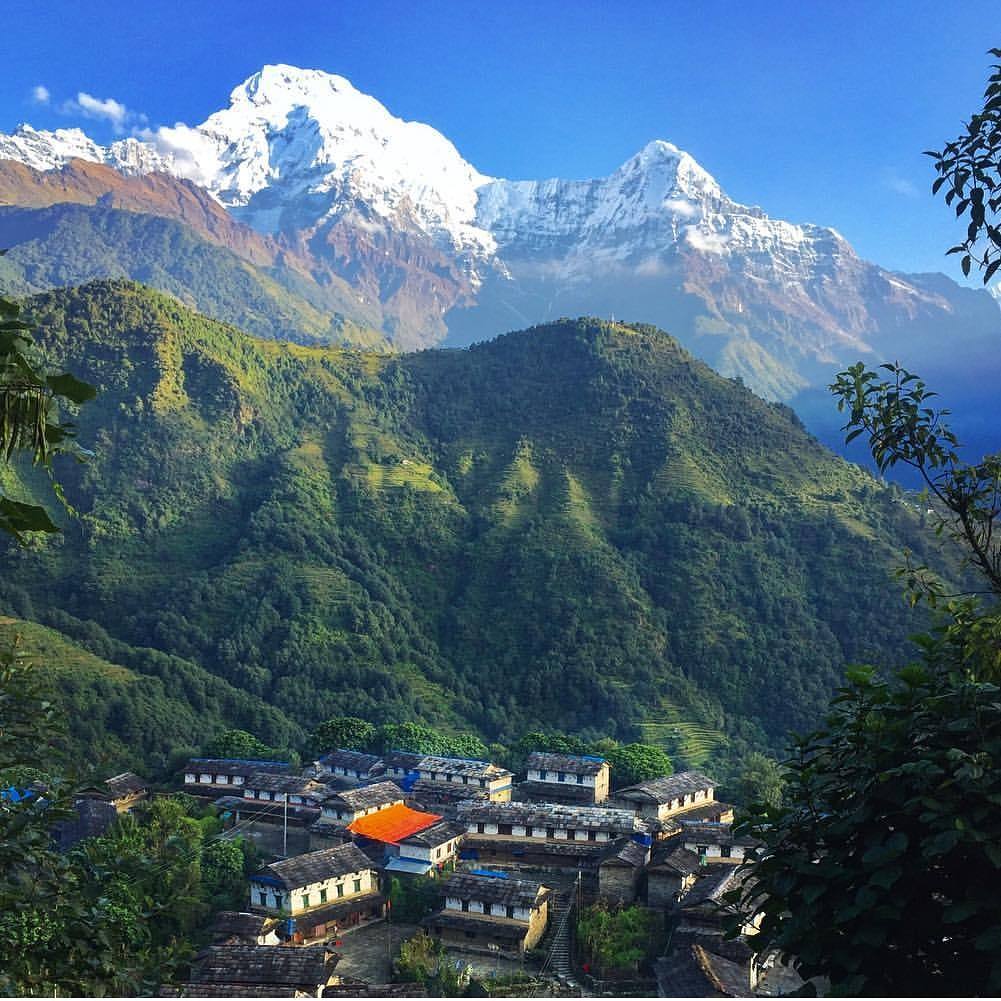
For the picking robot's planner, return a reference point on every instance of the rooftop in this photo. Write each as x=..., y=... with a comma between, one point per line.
x=578, y=764
x=470, y=767
x=625, y=852
x=494, y=889
x=354, y=761
x=667, y=788
x=240, y=924
x=315, y=867
x=713, y=834
x=393, y=824
x=125, y=784
x=436, y=834
x=365, y=797
x=236, y=766
x=279, y=782
x=274, y=965
x=542, y=815
x=678, y=859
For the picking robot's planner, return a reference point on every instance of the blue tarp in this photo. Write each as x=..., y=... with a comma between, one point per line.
x=416, y=867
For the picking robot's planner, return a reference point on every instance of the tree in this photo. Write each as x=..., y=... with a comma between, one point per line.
x=969, y=170
x=617, y=940
x=632, y=763
x=347, y=732
x=29, y=403
x=883, y=871
x=761, y=779
x=237, y=744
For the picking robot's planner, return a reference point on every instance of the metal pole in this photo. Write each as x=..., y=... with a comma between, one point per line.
x=285, y=830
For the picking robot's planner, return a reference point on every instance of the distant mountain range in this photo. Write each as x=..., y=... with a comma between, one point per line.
x=346, y=211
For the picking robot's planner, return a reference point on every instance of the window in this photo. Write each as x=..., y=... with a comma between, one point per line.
x=550, y=832
x=592, y=835
x=510, y=912
x=340, y=889
x=561, y=776
x=465, y=905
x=480, y=829
x=529, y=832
x=503, y=828
x=323, y=895
x=725, y=851
x=483, y=783
x=357, y=885
x=262, y=898
x=305, y=900
x=488, y=909
x=571, y=834
x=580, y=780
x=542, y=774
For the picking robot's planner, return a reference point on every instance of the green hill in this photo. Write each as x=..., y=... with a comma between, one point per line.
x=576, y=526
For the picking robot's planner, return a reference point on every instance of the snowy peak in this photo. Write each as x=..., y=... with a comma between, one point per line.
x=52, y=150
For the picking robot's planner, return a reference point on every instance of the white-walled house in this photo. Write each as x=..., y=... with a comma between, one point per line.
x=565, y=778
x=427, y=852
x=347, y=805
x=668, y=796
x=213, y=775
x=356, y=766
x=491, y=913
x=298, y=790
x=322, y=890
x=715, y=842
x=470, y=772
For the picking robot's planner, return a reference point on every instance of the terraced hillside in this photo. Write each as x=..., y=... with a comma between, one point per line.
x=577, y=526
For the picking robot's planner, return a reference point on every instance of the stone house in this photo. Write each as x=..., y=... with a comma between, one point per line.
x=427, y=852
x=126, y=791
x=491, y=913
x=258, y=971
x=215, y=775
x=322, y=891
x=356, y=766
x=274, y=787
x=565, y=778
x=621, y=870
x=350, y=804
x=666, y=797
x=715, y=843
x=244, y=928
x=671, y=873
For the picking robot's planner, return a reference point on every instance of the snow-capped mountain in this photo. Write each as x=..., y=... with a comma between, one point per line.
x=436, y=250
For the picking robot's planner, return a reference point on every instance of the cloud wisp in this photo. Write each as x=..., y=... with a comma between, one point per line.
x=40, y=94
x=107, y=109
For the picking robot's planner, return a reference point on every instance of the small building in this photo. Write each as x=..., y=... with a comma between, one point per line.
x=444, y=797
x=668, y=796
x=715, y=842
x=379, y=833
x=348, y=805
x=356, y=766
x=244, y=928
x=323, y=891
x=126, y=790
x=468, y=772
x=671, y=873
x=212, y=775
x=258, y=971
x=701, y=966
x=565, y=778
x=427, y=852
x=274, y=787
x=491, y=913
x=621, y=869
x=403, y=767
x=92, y=816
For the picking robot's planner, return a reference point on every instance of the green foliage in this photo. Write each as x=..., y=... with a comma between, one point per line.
x=760, y=780
x=424, y=961
x=969, y=171
x=615, y=941
x=238, y=744
x=425, y=740
x=346, y=732
x=632, y=763
x=414, y=898
x=279, y=536
x=29, y=422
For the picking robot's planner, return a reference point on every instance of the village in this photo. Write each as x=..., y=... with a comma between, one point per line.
x=502, y=869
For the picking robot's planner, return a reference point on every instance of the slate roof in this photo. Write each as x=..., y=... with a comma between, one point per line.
x=240, y=924
x=436, y=834
x=354, y=761
x=518, y=847
x=668, y=788
x=315, y=867
x=338, y=909
x=546, y=792
x=494, y=889
x=274, y=965
x=577, y=764
x=704, y=813
x=406, y=760
x=92, y=818
x=236, y=766
x=126, y=784
x=625, y=853
x=678, y=859
x=222, y=990
x=365, y=797
x=469, y=767
x=349, y=988
x=446, y=792
x=543, y=815
x=694, y=968
x=709, y=889
x=268, y=811
x=713, y=834
x=290, y=784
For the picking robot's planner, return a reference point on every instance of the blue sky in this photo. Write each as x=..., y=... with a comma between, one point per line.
x=816, y=110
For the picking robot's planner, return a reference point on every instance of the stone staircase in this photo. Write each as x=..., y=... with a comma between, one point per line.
x=558, y=937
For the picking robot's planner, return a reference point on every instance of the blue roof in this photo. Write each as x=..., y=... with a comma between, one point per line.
x=495, y=873
x=412, y=865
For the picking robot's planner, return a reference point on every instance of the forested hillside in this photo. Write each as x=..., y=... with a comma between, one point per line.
x=577, y=526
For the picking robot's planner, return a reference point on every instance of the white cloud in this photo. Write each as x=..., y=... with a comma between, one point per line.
x=708, y=243
x=195, y=154
x=679, y=207
x=900, y=185
x=40, y=94
x=116, y=114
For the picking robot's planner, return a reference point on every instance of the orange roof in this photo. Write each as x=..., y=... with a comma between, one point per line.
x=393, y=824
